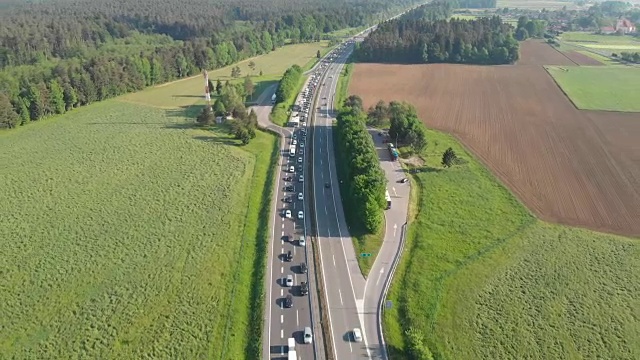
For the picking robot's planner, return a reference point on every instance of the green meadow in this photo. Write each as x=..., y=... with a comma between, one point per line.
x=613, y=88
x=481, y=278
x=127, y=234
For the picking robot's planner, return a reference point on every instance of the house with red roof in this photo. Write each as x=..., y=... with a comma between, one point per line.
x=625, y=26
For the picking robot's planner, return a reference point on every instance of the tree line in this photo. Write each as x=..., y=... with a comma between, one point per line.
x=365, y=180
x=530, y=28
x=91, y=51
x=405, y=128
x=286, y=93
x=485, y=40
x=474, y=4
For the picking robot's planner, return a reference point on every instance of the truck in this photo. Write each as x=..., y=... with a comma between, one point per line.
x=393, y=152
x=388, y=198
x=273, y=98
x=291, y=342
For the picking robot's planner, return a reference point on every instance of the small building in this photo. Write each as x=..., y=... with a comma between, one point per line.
x=625, y=26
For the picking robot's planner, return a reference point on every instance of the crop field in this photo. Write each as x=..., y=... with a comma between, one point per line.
x=603, y=44
x=567, y=165
x=124, y=236
x=590, y=88
x=483, y=279
x=190, y=91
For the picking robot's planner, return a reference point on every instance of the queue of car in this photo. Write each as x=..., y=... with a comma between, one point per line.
x=301, y=112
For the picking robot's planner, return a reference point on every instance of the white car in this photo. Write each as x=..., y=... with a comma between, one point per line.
x=308, y=337
x=301, y=178
x=300, y=215
x=357, y=335
x=300, y=196
x=287, y=214
x=302, y=241
x=292, y=169
x=299, y=159
x=288, y=281
x=294, y=142
x=301, y=145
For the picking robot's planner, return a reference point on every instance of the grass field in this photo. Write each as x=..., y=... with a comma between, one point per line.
x=127, y=236
x=598, y=88
x=536, y=4
x=603, y=44
x=483, y=279
x=189, y=91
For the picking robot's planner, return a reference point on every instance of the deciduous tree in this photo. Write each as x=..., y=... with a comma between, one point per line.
x=449, y=158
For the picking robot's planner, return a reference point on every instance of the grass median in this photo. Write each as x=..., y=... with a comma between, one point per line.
x=482, y=278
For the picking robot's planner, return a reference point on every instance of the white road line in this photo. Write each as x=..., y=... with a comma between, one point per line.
x=334, y=260
x=281, y=270
x=283, y=224
x=380, y=276
x=297, y=319
x=325, y=211
x=281, y=334
x=281, y=292
x=340, y=293
x=394, y=191
x=281, y=319
x=395, y=228
x=283, y=233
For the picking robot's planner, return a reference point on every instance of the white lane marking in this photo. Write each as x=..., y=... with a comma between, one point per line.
x=283, y=233
x=283, y=224
x=380, y=276
x=297, y=319
x=394, y=191
x=325, y=211
x=395, y=228
x=320, y=161
x=281, y=292
x=281, y=334
x=340, y=293
x=281, y=270
x=334, y=260
x=281, y=319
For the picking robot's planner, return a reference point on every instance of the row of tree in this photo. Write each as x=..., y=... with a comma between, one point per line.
x=92, y=51
x=485, y=40
x=405, y=126
x=289, y=84
x=628, y=56
x=365, y=180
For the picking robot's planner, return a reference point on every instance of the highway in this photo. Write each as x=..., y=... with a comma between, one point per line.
x=353, y=301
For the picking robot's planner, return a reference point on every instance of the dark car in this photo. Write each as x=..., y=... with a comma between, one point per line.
x=289, y=188
x=404, y=180
x=288, y=256
x=288, y=178
x=288, y=301
x=327, y=185
x=285, y=238
x=288, y=200
x=304, y=288
x=303, y=268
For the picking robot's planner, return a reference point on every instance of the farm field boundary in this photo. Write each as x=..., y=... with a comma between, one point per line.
x=568, y=166
x=488, y=280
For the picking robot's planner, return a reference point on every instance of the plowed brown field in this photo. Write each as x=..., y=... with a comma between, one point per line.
x=582, y=59
x=569, y=166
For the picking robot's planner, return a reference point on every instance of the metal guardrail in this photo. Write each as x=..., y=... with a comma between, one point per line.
x=387, y=285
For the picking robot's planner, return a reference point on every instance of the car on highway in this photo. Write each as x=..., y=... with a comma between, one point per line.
x=288, y=256
x=301, y=143
x=292, y=169
x=299, y=169
x=357, y=335
x=287, y=214
x=299, y=159
x=285, y=238
x=300, y=196
x=308, y=337
x=327, y=185
x=294, y=142
x=302, y=241
x=288, y=301
x=300, y=214
x=301, y=178
x=288, y=200
x=404, y=180
x=304, y=288
x=288, y=281
x=303, y=268
x=287, y=178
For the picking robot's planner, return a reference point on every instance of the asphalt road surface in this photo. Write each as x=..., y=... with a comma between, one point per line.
x=282, y=323
x=353, y=301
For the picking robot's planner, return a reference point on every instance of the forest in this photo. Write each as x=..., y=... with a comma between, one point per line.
x=61, y=54
x=366, y=182
x=425, y=36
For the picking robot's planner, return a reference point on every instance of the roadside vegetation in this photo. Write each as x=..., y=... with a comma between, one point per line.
x=599, y=88
x=481, y=278
x=139, y=241
x=286, y=94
